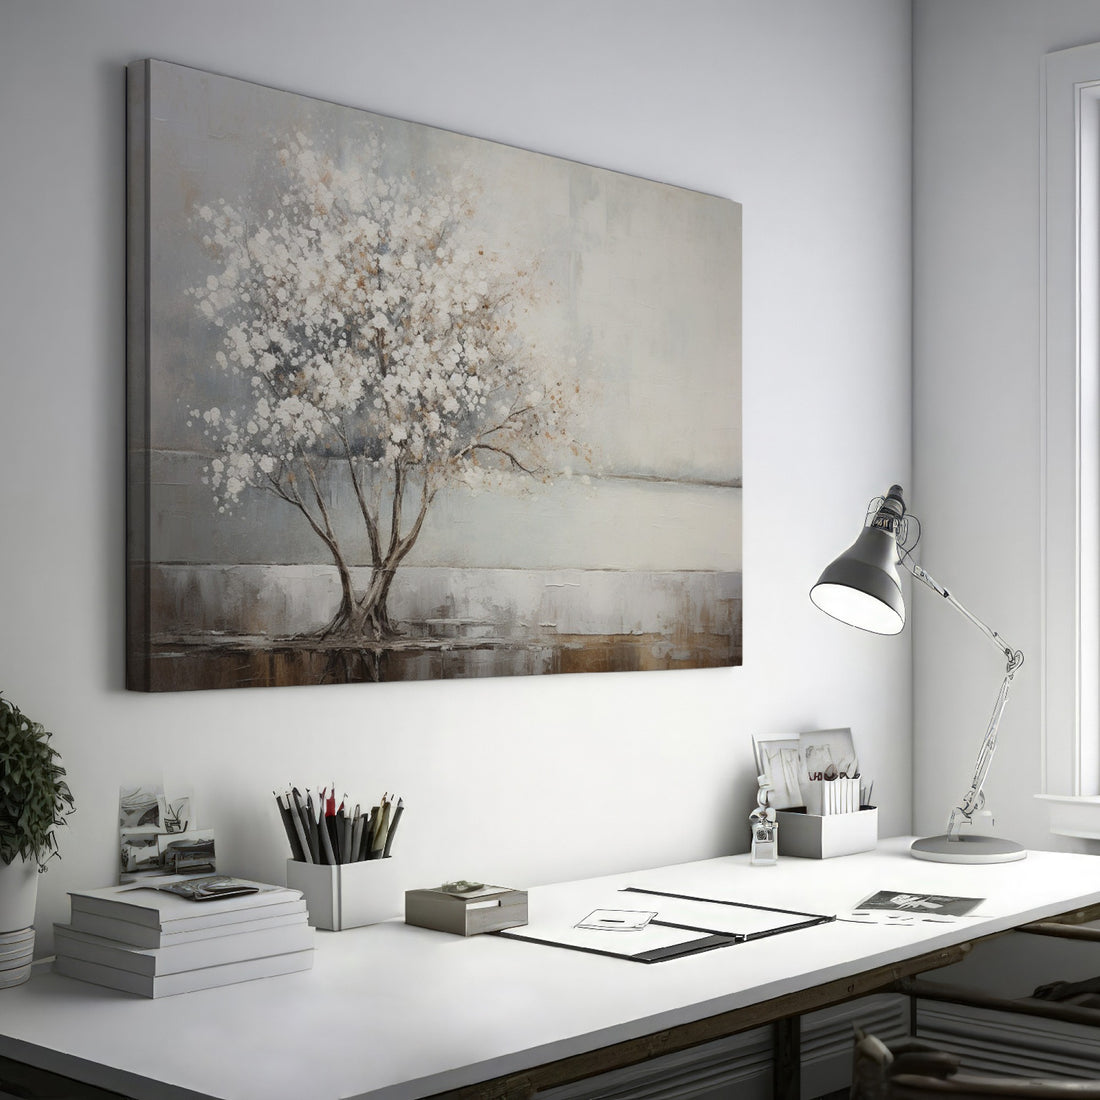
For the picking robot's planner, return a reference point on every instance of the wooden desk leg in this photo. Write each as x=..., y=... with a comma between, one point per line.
x=787, y=1058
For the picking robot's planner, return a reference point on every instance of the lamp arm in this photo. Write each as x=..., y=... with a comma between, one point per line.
x=974, y=798
x=1013, y=656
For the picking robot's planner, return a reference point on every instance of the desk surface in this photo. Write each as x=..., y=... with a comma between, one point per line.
x=393, y=1012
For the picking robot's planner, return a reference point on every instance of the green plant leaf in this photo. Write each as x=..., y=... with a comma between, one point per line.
x=34, y=797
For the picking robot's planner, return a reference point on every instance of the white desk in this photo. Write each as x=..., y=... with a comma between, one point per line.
x=393, y=1011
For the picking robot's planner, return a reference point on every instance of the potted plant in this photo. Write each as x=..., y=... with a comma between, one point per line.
x=34, y=800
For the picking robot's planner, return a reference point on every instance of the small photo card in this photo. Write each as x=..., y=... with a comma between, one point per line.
x=139, y=851
x=895, y=907
x=176, y=814
x=779, y=760
x=187, y=853
x=139, y=807
x=617, y=920
x=828, y=754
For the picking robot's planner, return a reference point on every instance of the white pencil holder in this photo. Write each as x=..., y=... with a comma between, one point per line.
x=349, y=895
x=821, y=836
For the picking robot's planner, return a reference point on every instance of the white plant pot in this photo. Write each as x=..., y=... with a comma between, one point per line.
x=18, y=894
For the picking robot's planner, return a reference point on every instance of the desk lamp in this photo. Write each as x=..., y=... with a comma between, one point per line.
x=862, y=588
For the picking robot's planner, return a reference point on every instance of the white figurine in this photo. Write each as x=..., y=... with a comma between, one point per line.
x=765, y=828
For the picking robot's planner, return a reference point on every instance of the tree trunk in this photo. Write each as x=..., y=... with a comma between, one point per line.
x=373, y=614
x=343, y=622
x=368, y=616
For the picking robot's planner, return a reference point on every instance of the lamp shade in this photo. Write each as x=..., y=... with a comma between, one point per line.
x=862, y=587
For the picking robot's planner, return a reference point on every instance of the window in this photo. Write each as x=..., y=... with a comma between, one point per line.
x=1070, y=395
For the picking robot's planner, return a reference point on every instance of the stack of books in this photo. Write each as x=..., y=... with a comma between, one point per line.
x=145, y=939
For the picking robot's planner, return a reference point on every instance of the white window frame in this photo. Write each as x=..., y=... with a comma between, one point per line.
x=1070, y=425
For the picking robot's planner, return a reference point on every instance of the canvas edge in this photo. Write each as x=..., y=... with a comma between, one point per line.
x=318, y=97
x=138, y=81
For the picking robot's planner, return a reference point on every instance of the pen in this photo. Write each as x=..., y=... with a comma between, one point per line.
x=339, y=842
x=326, y=833
x=316, y=829
x=393, y=826
x=346, y=850
x=325, y=830
x=288, y=828
x=334, y=822
x=356, y=834
x=372, y=831
x=293, y=827
x=378, y=842
x=364, y=851
x=305, y=813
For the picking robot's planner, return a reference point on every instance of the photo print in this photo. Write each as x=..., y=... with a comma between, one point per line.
x=157, y=835
x=780, y=761
x=140, y=807
x=187, y=853
x=828, y=754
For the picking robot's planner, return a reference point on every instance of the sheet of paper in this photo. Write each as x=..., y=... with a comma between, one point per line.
x=557, y=925
x=678, y=922
x=734, y=920
x=617, y=920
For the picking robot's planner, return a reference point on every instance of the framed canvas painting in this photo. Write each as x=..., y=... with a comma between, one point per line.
x=405, y=404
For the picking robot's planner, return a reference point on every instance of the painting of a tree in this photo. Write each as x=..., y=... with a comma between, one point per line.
x=405, y=404
x=371, y=327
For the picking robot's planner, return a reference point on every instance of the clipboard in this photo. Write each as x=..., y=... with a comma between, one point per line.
x=685, y=924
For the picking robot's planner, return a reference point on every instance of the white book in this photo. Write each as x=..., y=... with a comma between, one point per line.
x=143, y=903
x=168, y=985
x=184, y=956
x=140, y=935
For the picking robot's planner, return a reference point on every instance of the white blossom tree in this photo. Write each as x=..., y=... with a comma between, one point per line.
x=370, y=328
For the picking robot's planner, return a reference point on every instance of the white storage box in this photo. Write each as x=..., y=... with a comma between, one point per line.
x=820, y=837
x=349, y=894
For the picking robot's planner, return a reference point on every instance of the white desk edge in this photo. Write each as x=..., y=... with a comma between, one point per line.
x=392, y=1012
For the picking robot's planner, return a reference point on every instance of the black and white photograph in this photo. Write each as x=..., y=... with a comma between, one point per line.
x=937, y=905
x=781, y=762
x=140, y=807
x=187, y=853
x=828, y=754
x=177, y=815
x=139, y=851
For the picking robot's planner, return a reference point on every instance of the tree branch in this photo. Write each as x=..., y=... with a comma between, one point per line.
x=318, y=498
x=276, y=487
x=505, y=422
x=397, y=555
x=364, y=508
x=500, y=451
x=395, y=510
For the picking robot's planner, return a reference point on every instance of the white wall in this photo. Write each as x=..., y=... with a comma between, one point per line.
x=976, y=411
x=797, y=109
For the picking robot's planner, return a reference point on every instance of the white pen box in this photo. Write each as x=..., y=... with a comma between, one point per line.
x=348, y=895
x=487, y=909
x=816, y=836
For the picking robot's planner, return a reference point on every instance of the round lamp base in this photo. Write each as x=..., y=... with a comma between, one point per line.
x=967, y=849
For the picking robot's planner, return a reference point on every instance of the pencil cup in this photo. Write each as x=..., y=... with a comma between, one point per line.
x=820, y=836
x=349, y=895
